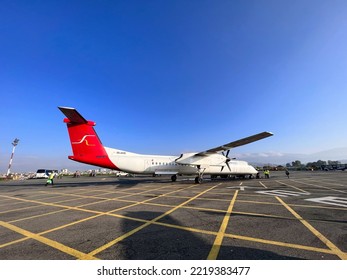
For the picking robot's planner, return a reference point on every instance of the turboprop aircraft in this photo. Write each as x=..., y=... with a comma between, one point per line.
x=87, y=148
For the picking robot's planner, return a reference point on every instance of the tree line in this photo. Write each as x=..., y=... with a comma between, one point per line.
x=316, y=165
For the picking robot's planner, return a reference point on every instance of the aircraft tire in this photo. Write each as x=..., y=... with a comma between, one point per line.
x=198, y=180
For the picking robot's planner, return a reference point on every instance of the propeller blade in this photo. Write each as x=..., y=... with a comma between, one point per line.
x=226, y=161
x=228, y=165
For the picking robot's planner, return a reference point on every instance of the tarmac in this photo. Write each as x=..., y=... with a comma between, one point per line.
x=145, y=218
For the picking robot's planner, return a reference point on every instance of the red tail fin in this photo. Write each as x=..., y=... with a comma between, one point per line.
x=85, y=143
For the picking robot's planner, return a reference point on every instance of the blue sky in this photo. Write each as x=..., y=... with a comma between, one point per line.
x=166, y=77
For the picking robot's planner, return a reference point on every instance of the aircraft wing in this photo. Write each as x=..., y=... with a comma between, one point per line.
x=236, y=143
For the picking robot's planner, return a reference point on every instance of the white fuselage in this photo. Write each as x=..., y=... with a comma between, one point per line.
x=160, y=164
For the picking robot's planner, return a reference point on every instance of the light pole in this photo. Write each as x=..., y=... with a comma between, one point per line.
x=14, y=143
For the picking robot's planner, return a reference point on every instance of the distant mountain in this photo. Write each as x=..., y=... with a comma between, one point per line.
x=332, y=154
x=339, y=154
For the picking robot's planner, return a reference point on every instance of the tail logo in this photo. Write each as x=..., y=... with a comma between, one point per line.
x=84, y=139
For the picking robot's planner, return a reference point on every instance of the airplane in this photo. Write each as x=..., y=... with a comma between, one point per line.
x=87, y=148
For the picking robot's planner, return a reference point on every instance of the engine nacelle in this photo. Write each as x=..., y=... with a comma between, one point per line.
x=193, y=159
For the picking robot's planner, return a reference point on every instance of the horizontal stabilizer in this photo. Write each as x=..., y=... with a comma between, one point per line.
x=73, y=115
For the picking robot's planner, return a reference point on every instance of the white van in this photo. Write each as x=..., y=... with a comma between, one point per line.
x=44, y=173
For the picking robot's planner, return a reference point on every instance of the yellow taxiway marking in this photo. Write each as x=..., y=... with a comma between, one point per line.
x=220, y=235
x=318, y=186
x=124, y=236
x=301, y=190
x=240, y=237
x=278, y=243
x=155, y=221
x=49, y=242
x=325, y=240
x=325, y=181
x=43, y=240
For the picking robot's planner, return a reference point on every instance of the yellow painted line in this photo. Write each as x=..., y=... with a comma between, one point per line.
x=209, y=199
x=73, y=223
x=35, y=206
x=294, y=205
x=147, y=200
x=261, y=183
x=49, y=242
x=219, y=238
x=325, y=240
x=103, y=199
x=319, y=207
x=257, y=240
x=173, y=226
x=38, y=216
x=325, y=181
x=240, y=237
x=11, y=203
x=124, y=236
x=294, y=187
x=14, y=242
x=250, y=214
x=148, y=191
x=278, y=243
x=258, y=202
x=318, y=186
x=82, y=209
x=98, y=213
x=54, y=229
x=55, y=205
x=19, y=209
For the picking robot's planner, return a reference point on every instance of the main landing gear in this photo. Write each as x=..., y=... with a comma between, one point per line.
x=173, y=178
x=199, y=179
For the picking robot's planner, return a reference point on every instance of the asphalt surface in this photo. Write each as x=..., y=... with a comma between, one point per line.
x=301, y=217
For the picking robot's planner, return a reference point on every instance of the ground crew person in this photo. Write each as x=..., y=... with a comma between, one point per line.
x=50, y=179
x=267, y=173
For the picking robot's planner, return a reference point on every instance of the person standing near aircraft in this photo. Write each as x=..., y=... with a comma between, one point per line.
x=267, y=173
x=50, y=179
x=287, y=173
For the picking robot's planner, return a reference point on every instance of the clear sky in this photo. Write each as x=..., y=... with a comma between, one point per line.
x=166, y=77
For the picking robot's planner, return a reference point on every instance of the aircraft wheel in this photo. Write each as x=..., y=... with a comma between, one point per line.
x=173, y=178
x=198, y=180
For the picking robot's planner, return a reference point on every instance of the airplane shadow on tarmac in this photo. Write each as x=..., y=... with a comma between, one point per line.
x=156, y=242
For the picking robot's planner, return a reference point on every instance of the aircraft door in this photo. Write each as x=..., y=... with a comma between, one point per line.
x=148, y=165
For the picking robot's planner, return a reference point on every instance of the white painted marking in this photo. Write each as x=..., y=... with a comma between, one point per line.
x=331, y=200
x=242, y=188
x=283, y=193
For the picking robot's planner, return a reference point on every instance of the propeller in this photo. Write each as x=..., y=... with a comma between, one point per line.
x=226, y=161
